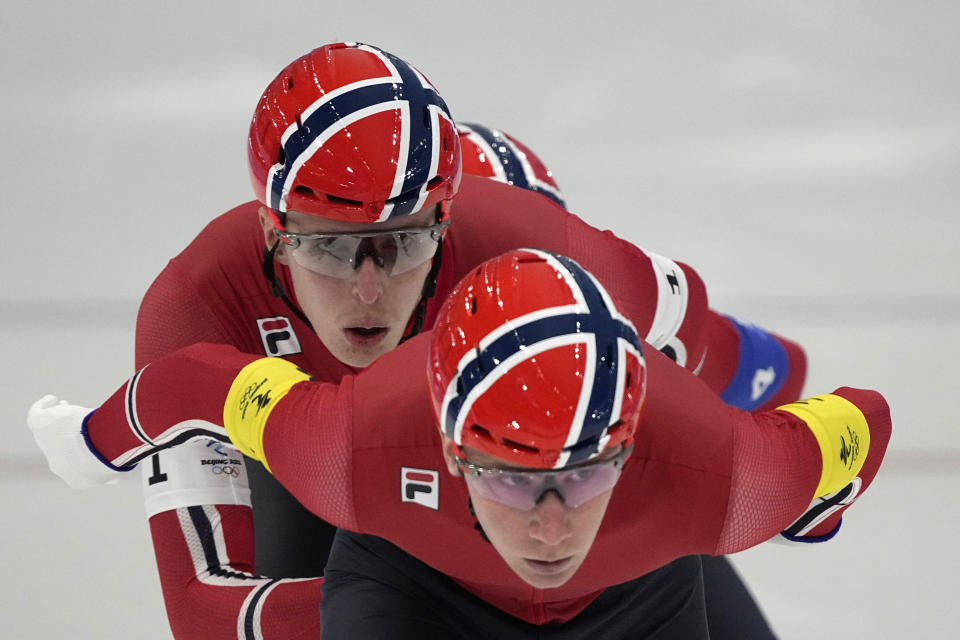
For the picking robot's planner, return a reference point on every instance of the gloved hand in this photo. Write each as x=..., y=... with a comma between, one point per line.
x=57, y=427
x=822, y=519
x=853, y=428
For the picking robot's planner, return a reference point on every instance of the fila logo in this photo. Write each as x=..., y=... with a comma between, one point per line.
x=421, y=486
x=278, y=336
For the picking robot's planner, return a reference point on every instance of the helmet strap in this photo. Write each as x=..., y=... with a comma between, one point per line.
x=270, y=272
x=429, y=289
x=476, y=525
x=430, y=284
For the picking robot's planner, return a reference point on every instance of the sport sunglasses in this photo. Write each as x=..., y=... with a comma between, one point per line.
x=525, y=489
x=338, y=255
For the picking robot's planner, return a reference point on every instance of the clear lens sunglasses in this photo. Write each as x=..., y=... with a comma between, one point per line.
x=338, y=255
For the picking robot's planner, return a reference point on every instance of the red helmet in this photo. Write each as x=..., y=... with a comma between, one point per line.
x=351, y=132
x=532, y=363
x=490, y=153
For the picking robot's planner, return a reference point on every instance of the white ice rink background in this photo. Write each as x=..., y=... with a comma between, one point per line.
x=804, y=157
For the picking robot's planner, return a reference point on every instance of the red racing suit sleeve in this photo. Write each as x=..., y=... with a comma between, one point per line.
x=747, y=366
x=180, y=398
x=757, y=473
x=777, y=460
x=208, y=582
x=201, y=521
x=665, y=299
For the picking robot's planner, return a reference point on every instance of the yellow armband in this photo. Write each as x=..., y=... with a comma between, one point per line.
x=842, y=433
x=254, y=393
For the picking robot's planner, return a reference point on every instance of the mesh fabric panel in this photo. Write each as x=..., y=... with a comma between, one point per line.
x=765, y=494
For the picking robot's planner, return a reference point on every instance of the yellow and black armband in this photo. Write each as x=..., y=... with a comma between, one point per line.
x=254, y=393
x=841, y=431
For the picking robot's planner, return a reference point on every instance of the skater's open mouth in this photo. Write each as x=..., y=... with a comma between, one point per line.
x=366, y=331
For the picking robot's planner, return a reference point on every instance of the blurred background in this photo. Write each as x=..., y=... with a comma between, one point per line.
x=803, y=157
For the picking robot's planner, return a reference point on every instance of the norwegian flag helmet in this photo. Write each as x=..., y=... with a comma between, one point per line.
x=351, y=132
x=491, y=153
x=532, y=363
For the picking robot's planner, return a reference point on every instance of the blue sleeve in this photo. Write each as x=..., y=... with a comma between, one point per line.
x=762, y=368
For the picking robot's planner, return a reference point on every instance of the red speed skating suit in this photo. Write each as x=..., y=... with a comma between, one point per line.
x=214, y=291
x=704, y=477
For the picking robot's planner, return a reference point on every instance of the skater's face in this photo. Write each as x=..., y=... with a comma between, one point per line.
x=359, y=310
x=544, y=545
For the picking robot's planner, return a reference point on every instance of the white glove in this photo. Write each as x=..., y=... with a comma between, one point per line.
x=56, y=426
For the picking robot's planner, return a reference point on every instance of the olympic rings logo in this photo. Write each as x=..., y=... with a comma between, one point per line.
x=232, y=472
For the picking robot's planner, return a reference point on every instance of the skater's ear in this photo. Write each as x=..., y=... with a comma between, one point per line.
x=269, y=238
x=449, y=456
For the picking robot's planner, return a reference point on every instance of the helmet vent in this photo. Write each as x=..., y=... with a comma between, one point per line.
x=473, y=304
x=481, y=432
x=520, y=447
x=626, y=384
x=282, y=156
x=304, y=190
x=343, y=201
x=289, y=84
x=528, y=259
x=434, y=182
